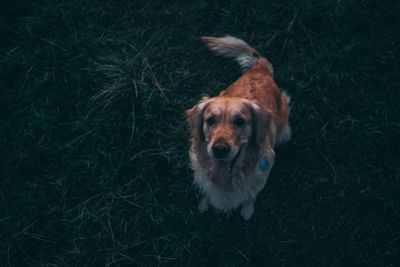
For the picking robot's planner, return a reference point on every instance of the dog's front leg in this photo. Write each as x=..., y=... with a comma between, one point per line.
x=204, y=204
x=247, y=209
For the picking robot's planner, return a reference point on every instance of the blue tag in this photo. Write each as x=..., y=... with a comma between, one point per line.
x=264, y=164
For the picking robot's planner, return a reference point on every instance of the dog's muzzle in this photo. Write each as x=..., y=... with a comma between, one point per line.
x=221, y=150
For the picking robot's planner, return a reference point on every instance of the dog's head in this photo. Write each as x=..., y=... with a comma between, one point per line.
x=223, y=125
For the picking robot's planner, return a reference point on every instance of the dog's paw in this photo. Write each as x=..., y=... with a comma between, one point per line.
x=204, y=204
x=247, y=210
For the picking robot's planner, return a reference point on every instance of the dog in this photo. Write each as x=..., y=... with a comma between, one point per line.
x=233, y=135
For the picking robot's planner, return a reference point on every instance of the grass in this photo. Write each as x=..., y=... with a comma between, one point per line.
x=94, y=166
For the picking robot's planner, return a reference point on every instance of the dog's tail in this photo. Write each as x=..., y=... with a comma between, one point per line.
x=237, y=49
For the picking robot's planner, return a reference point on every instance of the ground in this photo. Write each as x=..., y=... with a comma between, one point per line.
x=94, y=144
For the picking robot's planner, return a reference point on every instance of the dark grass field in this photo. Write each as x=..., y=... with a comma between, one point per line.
x=94, y=167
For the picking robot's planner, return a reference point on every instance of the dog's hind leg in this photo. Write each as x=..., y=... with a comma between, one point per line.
x=283, y=135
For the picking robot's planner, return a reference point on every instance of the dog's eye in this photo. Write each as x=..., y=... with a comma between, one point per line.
x=239, y=121
x=211, y=120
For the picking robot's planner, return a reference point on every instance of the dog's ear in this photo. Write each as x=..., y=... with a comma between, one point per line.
x=194, y=117
x=261, y=124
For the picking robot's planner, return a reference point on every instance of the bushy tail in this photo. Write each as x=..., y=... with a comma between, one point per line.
x=235, y=48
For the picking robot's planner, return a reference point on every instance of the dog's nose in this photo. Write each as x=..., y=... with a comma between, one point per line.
x=221, y=149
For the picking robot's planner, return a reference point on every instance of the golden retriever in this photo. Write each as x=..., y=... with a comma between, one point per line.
x=233, y=134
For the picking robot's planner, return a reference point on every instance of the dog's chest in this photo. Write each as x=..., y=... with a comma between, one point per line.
x=244, y=186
